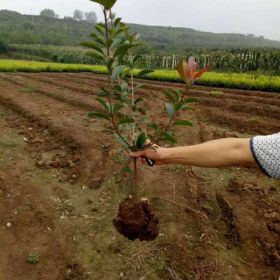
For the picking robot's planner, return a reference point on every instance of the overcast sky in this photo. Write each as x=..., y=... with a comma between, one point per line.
x=259, y=17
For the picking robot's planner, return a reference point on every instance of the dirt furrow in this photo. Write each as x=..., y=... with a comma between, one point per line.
x=242, y=104
x=65, y=122
x=251, y=108
x=68, y=83
x=87, y=102
x=151, y=88
x=241, y=122
x=30, y=85
x=161, y=84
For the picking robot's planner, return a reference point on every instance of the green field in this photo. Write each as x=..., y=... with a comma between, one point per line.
x=227, y=80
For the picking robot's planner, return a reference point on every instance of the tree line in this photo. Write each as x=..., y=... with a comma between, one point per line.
x=77, y=15
x=48, y=29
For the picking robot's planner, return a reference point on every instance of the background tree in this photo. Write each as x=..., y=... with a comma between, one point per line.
x=78, y=15
x=48, y=13
x=91, y=17
x=3, y=46
x=170, y=40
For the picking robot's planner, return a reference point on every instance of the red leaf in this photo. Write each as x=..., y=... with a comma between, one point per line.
x=198, y=74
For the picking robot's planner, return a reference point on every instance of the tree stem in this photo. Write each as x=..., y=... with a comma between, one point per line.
x=133, y=127
x=110, y=79
x=135, y=175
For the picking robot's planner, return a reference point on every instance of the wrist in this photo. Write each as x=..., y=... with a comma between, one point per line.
x=166, y=154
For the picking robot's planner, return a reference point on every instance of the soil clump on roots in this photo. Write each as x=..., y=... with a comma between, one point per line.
x=137, y=219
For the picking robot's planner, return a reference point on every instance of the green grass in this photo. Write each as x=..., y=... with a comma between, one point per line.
x=28, y=90
x=225, y=80
x=216, y=93
x=33, y=258
x=35, y=66
x=214, y=79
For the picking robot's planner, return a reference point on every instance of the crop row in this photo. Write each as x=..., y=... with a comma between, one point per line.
x=213, y=79
x=251, y=60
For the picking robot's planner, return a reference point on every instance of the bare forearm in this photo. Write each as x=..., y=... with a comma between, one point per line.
x=217, y=153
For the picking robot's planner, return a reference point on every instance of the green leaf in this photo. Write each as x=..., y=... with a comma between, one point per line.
x=98, y=39
x=154, y=126
x=126, y=169
x=95, y=54
x=98, y=115
x=138, y=86
x=123, y=27
x=107, y=4
x=186, y=107
x=190, y=100
x=168, y=136
x=180, y=107
x=170, y=109
x=103, y=93
x=100, y=29
x=122, y=49
x=117, y=71
x=142, y=111
x=177, y=94
x=134, y=37
x=183, y=105
x=127, y=101
x=121, y=140
x=139, y=99
x=126, y=120
x=92, y=45
x=117, y=21
x=141, y=139
x=144, y=72
x=183, y=122
x=118, y=31
x=109, y=42
x=115, y=43
x=169, y=95
x=105, y=105
x=117, y=107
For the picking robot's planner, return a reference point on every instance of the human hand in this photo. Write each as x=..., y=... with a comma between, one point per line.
x=152, y=152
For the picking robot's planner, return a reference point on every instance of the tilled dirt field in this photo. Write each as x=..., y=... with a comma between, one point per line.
x=60, y=185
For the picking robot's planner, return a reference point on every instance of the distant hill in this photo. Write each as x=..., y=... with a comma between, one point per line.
x=26, y=29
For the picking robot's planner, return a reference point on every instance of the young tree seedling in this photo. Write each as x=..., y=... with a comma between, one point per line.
x=122, y=108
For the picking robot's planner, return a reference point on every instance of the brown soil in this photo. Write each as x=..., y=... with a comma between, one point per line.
x=61, y=182
x=137, y=220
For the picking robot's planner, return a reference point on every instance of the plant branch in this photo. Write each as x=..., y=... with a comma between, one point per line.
x=165, y=128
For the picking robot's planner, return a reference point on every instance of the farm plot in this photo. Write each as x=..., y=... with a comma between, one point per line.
x=60, y=185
